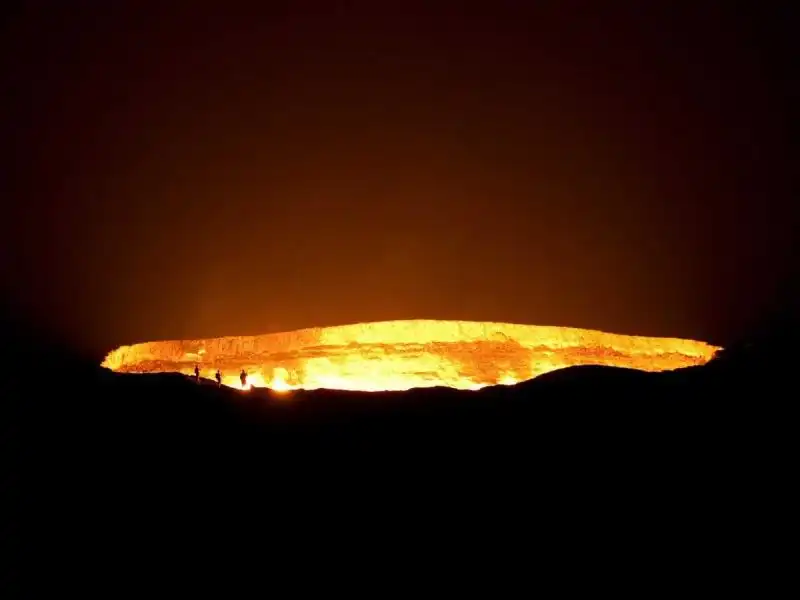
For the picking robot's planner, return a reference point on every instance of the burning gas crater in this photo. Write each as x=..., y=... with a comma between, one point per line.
x=399, y=355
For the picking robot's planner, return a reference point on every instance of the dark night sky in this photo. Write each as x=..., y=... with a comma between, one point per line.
x=188, y=173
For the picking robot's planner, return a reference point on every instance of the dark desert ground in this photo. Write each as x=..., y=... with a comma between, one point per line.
x=119, y=459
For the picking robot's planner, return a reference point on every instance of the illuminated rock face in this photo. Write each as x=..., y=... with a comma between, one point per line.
x=398, y=355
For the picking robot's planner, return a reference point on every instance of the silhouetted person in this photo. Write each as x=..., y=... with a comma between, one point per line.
x=243, y=377
x=218, y=377
x=197, y=373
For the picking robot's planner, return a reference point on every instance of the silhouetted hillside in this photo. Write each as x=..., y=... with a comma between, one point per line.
x=115, y=460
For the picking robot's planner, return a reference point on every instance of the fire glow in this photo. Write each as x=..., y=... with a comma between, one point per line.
x=400, y=355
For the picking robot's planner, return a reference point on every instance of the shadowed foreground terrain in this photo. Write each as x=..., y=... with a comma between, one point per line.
x=115, y=460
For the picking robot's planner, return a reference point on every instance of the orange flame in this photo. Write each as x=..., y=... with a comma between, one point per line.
x=399, y=355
